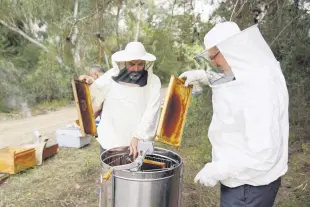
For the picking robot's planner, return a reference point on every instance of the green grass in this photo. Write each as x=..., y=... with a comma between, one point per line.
x=67, y=179
x=48, y=106
x=54, y=103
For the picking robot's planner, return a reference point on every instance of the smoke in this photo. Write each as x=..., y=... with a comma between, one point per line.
x=25, y=110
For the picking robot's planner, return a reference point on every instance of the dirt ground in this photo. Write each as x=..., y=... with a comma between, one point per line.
x=19, y=132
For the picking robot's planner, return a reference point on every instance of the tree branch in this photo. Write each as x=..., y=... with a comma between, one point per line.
x=232, y=14
x=286, y=27
x=240, y=9
x=105, y=54
x=24, y=35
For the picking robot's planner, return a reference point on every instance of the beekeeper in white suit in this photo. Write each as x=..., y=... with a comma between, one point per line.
x=249, y=128
x=131, y=95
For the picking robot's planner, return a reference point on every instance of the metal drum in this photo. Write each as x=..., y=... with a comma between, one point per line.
x=154, y=185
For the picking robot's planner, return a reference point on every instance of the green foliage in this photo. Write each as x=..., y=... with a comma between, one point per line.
x=8, y=85
x=41, y=78
x=50, y=81
x=160, y=44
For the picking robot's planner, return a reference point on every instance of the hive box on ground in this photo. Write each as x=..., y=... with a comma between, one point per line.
x=50, y=150
x=71, y=137
x=16, y=159
x=38, y=149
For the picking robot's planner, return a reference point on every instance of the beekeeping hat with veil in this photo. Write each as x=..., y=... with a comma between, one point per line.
x=216, y=35
x=133, y=51
x=246, y=52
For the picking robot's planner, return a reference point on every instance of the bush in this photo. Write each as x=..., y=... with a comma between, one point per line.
x=50, y=81
x=197, y=125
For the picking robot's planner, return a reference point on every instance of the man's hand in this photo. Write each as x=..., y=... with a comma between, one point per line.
x=195, y=76
x=134, y=147
x=206, y=176
x=88, y=79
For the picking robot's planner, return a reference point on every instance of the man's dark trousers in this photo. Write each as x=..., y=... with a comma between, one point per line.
x=250, y=196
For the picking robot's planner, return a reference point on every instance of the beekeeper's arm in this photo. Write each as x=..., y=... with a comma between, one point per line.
x=147, y=128
x=262, y=145
x=99, y=89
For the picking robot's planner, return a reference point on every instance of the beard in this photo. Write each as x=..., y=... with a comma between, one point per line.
x=134, y=77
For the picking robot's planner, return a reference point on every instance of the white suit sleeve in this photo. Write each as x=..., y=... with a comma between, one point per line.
x=99, y=89
x=263, y=141
x=147, y=128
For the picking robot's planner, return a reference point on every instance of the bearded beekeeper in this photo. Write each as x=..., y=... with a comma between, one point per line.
x=249, y=128
x=131, y=95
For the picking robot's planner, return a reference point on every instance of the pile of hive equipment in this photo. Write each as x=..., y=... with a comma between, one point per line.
x=15, y=159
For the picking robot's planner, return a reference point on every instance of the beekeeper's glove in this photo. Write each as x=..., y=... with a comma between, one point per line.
x=206, y=175
x=195, y=76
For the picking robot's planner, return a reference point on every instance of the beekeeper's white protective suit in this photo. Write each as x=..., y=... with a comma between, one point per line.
x=249, y=129
x=127, y=111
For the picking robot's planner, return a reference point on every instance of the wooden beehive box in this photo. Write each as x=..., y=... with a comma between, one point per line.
x=14, y=159
x=50, y=150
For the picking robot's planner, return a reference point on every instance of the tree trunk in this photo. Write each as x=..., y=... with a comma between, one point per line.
x=117, y=23
x=138, y=23
x=74, y=38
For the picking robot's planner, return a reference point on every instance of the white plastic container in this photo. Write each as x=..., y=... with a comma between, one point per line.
x=71, y=137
